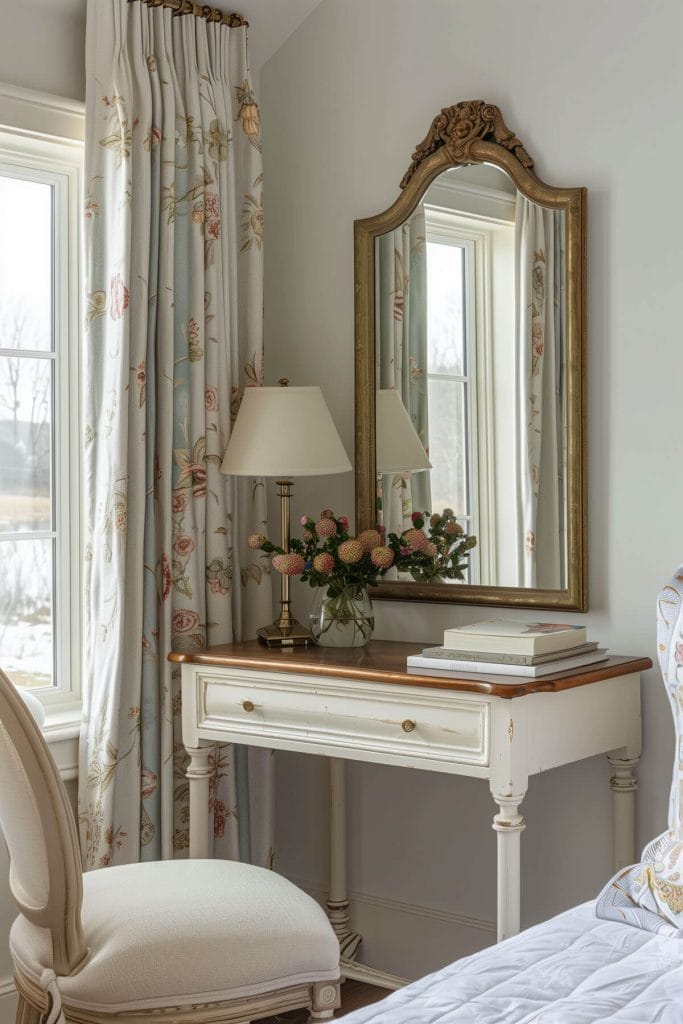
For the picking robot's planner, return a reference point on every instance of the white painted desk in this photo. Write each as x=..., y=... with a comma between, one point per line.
x=362, y=705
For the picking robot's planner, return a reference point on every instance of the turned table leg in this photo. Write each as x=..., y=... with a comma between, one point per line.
x=199, y=774
x=623, y=784
x=509, y=825
x=338, y=902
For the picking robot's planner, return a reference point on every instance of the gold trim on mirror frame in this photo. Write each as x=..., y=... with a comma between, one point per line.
x=466, y=133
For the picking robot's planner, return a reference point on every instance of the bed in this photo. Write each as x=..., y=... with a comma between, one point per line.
x=572, y=969
x=618, y=959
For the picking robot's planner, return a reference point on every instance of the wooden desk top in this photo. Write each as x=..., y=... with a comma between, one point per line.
x=384, y=661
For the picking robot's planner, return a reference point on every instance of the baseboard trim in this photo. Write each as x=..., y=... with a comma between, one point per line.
x=401, y=906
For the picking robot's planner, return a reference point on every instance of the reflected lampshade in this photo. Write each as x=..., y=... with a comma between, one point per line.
x=284, y=432
x=399, y=449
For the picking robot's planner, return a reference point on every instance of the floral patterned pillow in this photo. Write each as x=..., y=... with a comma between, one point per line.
x=649, y=895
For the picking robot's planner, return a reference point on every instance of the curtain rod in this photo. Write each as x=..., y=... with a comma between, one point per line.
x=199, y=11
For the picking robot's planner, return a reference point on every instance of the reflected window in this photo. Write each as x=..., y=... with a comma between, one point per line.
x=451, y=371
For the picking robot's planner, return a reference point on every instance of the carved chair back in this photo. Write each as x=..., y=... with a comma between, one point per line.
x=40, y=832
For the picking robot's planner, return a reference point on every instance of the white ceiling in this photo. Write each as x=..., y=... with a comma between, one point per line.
x=270, y=21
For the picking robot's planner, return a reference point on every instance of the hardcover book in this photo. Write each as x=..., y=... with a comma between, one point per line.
x=505, y=636
x=452, y=654
x=453, y=669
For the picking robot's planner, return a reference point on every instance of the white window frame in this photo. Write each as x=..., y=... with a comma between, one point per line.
x=450, y=228
x=28, y=150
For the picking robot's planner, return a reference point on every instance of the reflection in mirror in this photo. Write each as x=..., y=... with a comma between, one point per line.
x=470, y=307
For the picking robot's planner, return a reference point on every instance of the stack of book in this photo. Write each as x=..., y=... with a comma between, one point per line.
x=505, y=647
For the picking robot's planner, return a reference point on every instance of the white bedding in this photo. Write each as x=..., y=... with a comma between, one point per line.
x=573, y=969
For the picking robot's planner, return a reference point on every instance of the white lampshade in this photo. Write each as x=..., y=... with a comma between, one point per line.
x=399, y=449
x=284, y=432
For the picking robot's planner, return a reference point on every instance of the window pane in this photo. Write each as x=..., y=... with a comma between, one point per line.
x=26, y=629
x=448, y=445
x=25, y=264
x=445, y=308
x=25, y=443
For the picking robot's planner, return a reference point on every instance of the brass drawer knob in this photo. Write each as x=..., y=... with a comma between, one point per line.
x=247, y=705
x=408, y=725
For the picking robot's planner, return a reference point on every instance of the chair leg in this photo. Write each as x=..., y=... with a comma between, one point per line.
x=326, y=999
x=27, y=1013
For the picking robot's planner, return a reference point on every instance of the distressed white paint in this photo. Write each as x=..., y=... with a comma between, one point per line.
x=495, y=738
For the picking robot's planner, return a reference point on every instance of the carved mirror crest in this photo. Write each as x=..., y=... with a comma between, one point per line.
x=471, y=311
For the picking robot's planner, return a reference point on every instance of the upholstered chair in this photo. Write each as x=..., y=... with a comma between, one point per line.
x=185, y=941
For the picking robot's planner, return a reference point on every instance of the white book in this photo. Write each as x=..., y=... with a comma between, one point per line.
x=419, y=665
x=505, y=636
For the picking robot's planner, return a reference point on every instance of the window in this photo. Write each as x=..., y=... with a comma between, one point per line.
x=39, y=421
x=451, y=374
x=470, y=344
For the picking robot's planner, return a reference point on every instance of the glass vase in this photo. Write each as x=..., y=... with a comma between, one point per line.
x=342, y=617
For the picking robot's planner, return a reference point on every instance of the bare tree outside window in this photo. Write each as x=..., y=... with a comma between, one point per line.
x=27, y=366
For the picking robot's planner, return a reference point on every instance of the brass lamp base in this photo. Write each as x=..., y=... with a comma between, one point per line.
x=294, y=635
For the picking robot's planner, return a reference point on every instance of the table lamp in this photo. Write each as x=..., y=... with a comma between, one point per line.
x=284, y=432
x=399, y=448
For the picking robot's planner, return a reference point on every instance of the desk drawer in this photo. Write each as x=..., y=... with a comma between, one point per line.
x=339, y=717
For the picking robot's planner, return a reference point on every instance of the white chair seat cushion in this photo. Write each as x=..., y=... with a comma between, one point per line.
x=185, y=932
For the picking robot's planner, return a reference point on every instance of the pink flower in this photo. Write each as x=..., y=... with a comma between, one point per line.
x=183, y=545
x=453, y=529
x=212, y=224
x=324, y=562
x=304, y=521
x=210, y=398
x=178, y=499
x=165, y=577
x=415, y=539
x=183, y=620
x=383, y=558
x=327, y=513
x=326, y=527
x=275, y=562
x=119, y=297
x=307, y=535
x=429, y=550
x=416, y=516
x=351, y=551
x=289, y=565
x=255, y=541
x=344, y=520
x=370, y=539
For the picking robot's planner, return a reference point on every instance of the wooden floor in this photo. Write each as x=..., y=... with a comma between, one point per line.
x=354, y=995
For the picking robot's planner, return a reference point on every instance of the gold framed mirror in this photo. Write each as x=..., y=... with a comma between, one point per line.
x=470, y=305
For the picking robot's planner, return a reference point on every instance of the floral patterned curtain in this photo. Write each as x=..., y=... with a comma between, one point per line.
x=173, y=321
x=402, y=355
x=540, y=410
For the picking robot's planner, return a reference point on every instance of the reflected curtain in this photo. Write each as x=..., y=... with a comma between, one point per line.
x=539, y=394
x=173, y=272
x=402, y=356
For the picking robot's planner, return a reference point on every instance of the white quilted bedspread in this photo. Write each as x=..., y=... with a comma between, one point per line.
x=573, y=969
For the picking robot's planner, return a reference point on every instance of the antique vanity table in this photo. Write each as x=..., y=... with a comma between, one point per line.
x=362, y=705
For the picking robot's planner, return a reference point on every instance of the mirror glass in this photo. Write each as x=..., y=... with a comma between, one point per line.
x=471, y=336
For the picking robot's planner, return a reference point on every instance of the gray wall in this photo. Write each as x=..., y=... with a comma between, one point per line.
x=589, y=88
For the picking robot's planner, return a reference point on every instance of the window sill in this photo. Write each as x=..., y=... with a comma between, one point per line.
x=62, y=729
